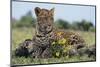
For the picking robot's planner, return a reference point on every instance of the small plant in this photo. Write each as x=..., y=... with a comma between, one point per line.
x=60, y=47
x=56, y=49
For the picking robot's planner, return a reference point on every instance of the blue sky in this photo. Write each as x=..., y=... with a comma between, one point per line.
x=67, y=12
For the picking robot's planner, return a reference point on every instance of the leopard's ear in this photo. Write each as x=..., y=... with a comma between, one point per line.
x=51, y=12
x=37, y=11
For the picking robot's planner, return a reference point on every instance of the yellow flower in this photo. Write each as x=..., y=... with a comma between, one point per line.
x=62, y=41
x=65, y=49
x=59, y=33
x=57, y=54
x=53, y=43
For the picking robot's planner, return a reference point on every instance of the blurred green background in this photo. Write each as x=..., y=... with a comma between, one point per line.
x=28, y=21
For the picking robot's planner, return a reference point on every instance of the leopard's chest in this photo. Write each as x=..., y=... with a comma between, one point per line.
x=45, y=40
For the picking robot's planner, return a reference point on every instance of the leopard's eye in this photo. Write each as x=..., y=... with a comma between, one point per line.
x=38, y=19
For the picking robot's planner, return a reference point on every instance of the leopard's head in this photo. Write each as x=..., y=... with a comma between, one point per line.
x=45, y=19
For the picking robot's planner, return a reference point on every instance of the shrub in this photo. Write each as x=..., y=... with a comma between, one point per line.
x=60, y=48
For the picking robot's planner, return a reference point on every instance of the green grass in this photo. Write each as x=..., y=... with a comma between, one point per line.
x=20, y=34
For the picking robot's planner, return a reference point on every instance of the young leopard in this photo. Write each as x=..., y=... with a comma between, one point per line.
x=44, y=31
x=46, y=34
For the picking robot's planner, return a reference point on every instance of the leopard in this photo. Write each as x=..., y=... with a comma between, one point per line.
x=43, y=32
x=46, y=33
